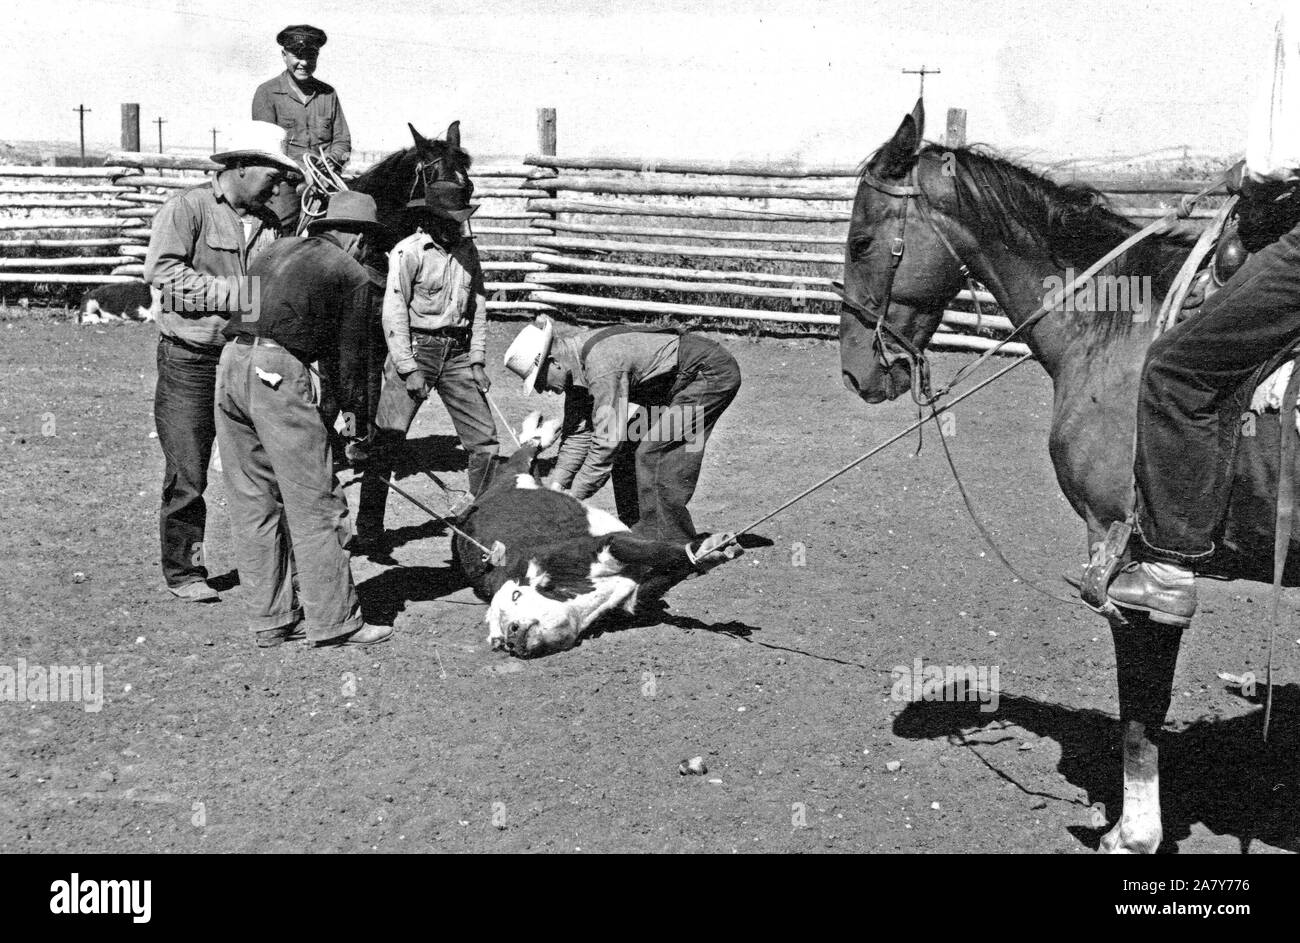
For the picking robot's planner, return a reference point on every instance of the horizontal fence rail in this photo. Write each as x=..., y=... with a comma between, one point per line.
x=692, y=241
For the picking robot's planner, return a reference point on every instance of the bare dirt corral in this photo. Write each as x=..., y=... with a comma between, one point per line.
x=777, y=674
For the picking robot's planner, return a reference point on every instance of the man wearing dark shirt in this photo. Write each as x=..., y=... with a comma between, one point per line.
x=312, y=302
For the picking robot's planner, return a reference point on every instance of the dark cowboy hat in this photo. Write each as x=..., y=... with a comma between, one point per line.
x=447, y=199
x=302, y=37
x=349, y=210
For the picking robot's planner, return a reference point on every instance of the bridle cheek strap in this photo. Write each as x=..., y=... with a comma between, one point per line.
x=884, y=332
x=879, y=321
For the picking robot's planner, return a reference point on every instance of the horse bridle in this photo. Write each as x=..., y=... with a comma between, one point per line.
x=878, y=320
x=424, y=175
x=422, y=169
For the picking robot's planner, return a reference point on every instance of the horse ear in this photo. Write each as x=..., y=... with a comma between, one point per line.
x=898, y=153
x=453, y=134
x=421, y=141
x=918, y=116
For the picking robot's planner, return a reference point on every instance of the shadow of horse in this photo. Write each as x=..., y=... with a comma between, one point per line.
x=1215, y=771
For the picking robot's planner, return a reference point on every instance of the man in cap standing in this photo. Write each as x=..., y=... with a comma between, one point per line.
x=199, y=249
x=435, y=323
x=288, y=514
x=307, y=108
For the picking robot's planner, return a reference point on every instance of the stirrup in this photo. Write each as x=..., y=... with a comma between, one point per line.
x=1107, y=558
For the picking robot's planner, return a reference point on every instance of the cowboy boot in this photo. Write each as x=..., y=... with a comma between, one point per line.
x=1166, y=591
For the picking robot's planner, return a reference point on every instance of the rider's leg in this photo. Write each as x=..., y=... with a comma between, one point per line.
x=1183, y=463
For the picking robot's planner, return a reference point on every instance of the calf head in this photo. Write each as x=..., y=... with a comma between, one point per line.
x=561, y=592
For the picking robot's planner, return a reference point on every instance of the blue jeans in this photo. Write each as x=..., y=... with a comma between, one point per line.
x=445, y=363
x=655, y=477
x=287, y=511
x=1183, y=464
x=182, y=412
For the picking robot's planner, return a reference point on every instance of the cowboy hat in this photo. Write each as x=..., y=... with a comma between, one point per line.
x=447, y=199
x=349, y=209
x=528, y=352
x=258, y=142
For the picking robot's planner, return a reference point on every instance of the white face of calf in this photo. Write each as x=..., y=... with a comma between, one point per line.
x=526, y=622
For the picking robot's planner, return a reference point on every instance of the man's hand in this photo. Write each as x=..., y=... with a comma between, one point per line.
x=480, y=377
x=417, y=384
x=714, y=550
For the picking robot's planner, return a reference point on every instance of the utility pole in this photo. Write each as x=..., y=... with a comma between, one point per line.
x=214, y=140
x=922, y=72
x=160, y=121
x=81, y=117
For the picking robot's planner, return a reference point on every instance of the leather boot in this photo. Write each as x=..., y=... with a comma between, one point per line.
x=1164, y=590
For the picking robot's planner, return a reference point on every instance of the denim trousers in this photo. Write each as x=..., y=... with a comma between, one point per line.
x=1183, y=463
x=182, y=411
x=446, y=365
x=655, y=474
x=287, y=511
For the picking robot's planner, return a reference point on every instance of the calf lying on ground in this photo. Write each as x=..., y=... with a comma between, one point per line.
x=565, y=564
x=127, y=301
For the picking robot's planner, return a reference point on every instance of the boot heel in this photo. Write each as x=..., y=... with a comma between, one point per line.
x=1180, y=622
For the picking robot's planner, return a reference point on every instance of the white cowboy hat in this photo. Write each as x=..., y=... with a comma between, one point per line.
x=527, y=353
x=258, y=140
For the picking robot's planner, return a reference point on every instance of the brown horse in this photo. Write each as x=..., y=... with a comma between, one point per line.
x=924, y=217
x=403, y=176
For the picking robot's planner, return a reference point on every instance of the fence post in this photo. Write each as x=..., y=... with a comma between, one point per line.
x=131, y=127
x=546, y=143
x=955, y=135
x=546, y=131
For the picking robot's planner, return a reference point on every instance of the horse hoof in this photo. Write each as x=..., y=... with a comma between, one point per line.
x=1121, y=840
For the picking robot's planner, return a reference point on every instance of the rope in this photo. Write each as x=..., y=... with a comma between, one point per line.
x=497, y=409
x=321, y=181
x=487, y=551
x=984, y=531
x=879, y=448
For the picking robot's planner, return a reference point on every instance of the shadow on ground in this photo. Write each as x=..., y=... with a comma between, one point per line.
x=1216, y=772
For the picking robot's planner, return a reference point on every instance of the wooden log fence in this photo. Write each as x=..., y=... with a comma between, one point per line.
x=718, y=242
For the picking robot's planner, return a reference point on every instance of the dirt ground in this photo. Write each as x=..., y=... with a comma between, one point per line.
x=777, y=674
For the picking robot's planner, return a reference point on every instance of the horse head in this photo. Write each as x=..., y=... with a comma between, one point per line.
x=403, y=176
x=898, y=274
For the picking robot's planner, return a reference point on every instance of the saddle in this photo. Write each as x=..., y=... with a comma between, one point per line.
x=1229, y=255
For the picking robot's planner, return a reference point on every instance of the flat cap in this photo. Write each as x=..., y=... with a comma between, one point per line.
x=297, y=37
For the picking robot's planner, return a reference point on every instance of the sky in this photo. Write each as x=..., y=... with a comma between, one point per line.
x=818, y=81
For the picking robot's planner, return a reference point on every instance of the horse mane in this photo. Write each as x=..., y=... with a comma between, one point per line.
x=1072, y=223
x=385, y=170
x=392, y=176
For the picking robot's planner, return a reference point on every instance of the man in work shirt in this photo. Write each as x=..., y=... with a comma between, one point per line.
x=307, y=108
x=199, y=249
x=435, y=323
x=682, y=381
x=314, y=305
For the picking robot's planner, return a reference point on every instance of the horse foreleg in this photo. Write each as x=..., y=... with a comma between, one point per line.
x=1145, y=655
